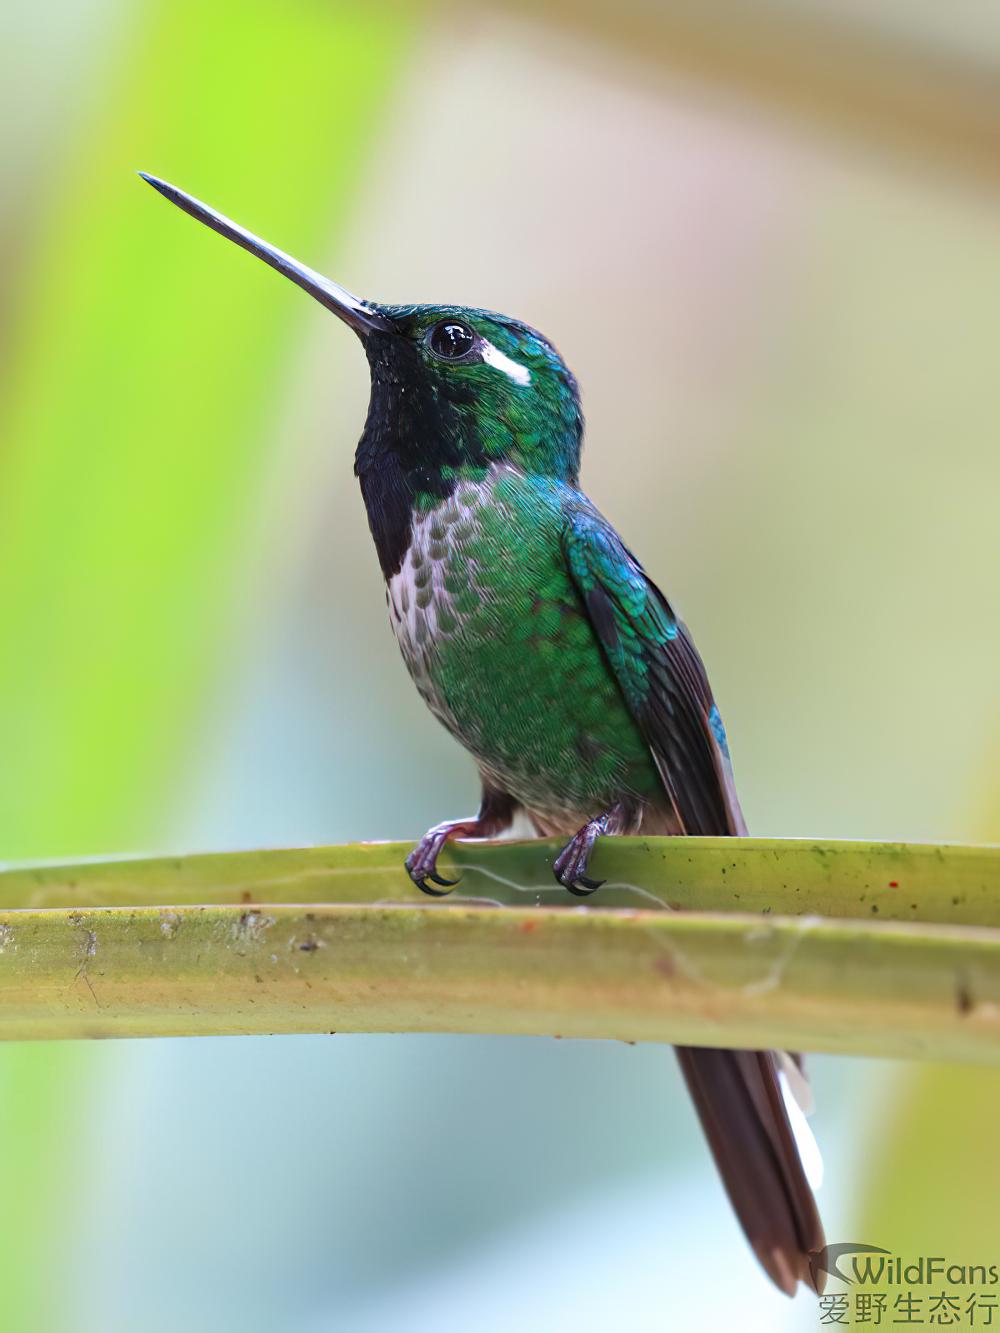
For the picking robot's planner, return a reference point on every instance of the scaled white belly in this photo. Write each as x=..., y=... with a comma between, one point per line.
x=421, y=609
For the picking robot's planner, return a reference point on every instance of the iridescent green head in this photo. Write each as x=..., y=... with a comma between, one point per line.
x=454, y=391
x=458, y=388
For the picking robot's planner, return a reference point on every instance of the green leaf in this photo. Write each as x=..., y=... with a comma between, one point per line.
x=338, y=939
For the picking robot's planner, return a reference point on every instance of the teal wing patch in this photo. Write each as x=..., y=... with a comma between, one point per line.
x=659, y=672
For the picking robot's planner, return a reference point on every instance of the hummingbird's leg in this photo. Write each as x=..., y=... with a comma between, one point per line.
x=570, y=866
x=496, y=811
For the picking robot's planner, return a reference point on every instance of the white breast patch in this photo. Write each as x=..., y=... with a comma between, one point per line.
x=420, y=606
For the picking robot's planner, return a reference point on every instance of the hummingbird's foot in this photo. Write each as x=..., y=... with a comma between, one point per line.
x=495, y=814
x=570, y=866
x=421, y=864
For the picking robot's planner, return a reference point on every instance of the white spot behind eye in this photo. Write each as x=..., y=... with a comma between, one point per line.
x=494, y=357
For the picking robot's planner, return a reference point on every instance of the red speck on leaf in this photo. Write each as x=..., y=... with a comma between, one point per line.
x=528, y=926
x=893, y=884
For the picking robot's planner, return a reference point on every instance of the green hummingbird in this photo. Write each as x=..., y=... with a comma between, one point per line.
x=537, y=638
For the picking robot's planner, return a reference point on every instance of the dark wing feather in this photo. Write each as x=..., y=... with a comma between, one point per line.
x=737, y=1094
x=660, y=675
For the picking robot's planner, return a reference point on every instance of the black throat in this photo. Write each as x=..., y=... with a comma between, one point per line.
x=415, y=440
x=388, y=491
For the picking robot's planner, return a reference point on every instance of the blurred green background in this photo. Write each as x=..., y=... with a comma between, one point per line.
x=766, y=238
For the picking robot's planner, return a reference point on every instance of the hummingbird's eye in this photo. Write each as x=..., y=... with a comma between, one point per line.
x=451, y=340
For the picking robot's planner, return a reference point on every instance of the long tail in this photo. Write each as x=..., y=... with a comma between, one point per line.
x=740, y=1103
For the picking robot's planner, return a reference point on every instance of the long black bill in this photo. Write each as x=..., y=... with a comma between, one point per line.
x=363, y=318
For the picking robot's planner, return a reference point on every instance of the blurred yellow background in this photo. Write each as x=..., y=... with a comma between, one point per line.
x=767, y=239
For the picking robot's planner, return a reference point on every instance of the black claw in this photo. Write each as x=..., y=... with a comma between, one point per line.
x=420, y=878
x=583, y=886
x=439, y=879
x=424, y=887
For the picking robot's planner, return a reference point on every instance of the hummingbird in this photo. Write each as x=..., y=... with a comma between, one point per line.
x=540, y=642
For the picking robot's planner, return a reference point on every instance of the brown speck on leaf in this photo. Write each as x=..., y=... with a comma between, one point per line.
x=246, y=896
x=963, y=998
x=664, y=966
